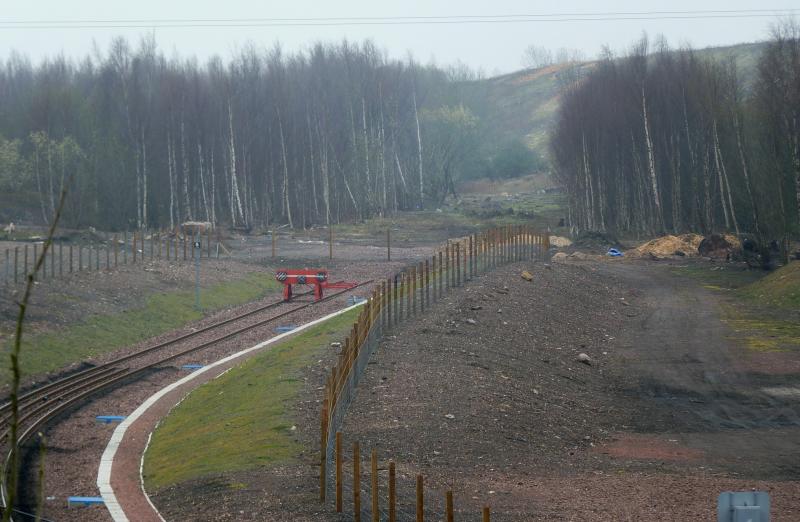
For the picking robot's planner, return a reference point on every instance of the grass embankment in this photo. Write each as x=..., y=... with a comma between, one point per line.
x=763, y=307
x=240, y=420
x=163, y=312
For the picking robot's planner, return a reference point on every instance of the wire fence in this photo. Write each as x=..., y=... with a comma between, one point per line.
x=401, y=297
x=107, y=253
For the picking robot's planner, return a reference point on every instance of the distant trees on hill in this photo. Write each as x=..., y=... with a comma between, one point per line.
x=336, y=132
x=669, y=142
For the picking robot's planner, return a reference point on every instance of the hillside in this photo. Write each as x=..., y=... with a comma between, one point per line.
x=524, y=103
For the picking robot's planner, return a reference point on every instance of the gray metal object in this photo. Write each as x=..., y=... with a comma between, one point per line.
x=196, y=250
x=743, y=506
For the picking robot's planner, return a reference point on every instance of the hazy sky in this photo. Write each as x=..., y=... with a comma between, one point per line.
x=494, y=47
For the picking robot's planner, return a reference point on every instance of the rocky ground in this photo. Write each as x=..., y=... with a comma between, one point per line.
x=488, y=394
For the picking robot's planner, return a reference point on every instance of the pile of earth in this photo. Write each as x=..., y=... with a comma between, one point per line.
x=559, y=241
x=719, y=246
x=683, y=245
x=596, y=241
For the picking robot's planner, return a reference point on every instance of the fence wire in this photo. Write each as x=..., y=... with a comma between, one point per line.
x=408, y=293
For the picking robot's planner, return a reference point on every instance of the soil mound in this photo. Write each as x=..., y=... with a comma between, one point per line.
x=683, y=245
x=719, y=245
x=596, y=241
x=560, y=242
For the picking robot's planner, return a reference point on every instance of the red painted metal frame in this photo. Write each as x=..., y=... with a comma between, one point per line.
x=318, y=278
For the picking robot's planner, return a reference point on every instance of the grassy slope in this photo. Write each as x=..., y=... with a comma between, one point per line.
x=161, y=313
x=524, y=103
x=238, y=421
x=781, y=288
x=763, y=310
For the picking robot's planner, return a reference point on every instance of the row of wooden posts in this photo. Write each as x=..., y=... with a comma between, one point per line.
x=401, y=297
x=391, y=489
x=108, y=254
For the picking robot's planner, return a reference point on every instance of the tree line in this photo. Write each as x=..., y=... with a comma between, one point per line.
x=332, y=133
x=668, y=141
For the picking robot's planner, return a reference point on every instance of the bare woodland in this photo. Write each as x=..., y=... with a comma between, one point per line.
x=336, y=132
x=666, y=141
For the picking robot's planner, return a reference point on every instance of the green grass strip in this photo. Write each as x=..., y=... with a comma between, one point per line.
x=240, y=420
x=160, y=313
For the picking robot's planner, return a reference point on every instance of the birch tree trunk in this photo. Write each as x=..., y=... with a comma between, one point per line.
x=651, y=165
x=170, y=161
x=286, y=200
x=419, y=149
x=187, y=210
x=236, y=202
x=202, y=180
x=719, y=165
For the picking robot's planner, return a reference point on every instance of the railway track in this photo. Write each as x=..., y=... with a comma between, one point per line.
x=41, y=404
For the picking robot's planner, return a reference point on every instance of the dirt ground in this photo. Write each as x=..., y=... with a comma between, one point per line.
x=672, y=410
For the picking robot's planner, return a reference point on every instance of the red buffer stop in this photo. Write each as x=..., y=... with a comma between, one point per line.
x=308, y=276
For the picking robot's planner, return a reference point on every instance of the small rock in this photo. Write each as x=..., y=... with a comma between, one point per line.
x=471, y=321
x=293, y=428
x=336, y=345
x=585, y=359
x=527, y=276
x=449, y=416
x=476, y=307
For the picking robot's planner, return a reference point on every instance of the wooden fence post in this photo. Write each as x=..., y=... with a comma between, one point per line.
x=388, y=284
x=440, y=275
x=458, y=263
x=388, y=244
x=323, y=447
x=330, y=241
x=449, y=506
x=7, y=279
x=208, y=243
x=486, y=517
x=61, y=260
x=376, y=516
x=414, y=285
x=108, y=257
x=447, y=265
x=16, y=263
x=125, y=247
x=35, y=257
x=397, y=301
x=356, y=483
x=274, y=239
x=470, y=257
x=338, y=472
x=97, y=257
x=134, y=247
x=184, y=247
x=427, y=283
x=420, y=501
x=406, y=288
x=80, y=258
x=392, y=493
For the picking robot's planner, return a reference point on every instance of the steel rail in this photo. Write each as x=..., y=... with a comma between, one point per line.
x=91, y=387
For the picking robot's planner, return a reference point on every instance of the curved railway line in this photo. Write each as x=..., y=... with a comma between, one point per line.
x=41, y=404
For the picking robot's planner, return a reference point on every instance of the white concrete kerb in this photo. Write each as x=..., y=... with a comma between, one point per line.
x=106, y=461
